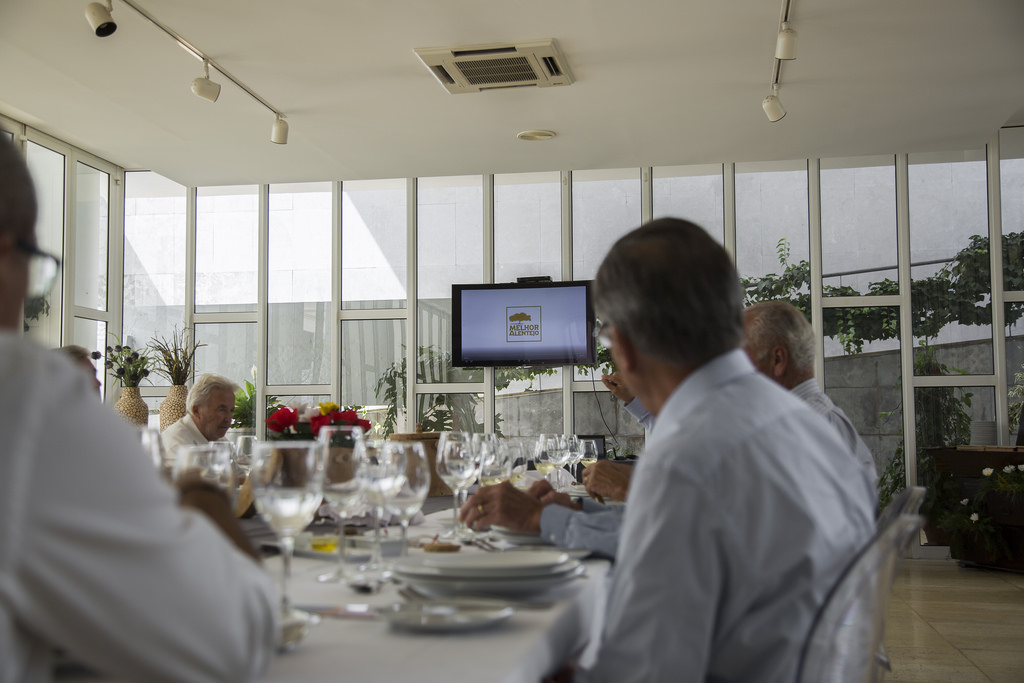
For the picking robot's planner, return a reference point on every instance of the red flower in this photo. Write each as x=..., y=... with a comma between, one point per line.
x=318, y=421
x=282, y=419
x=349, y=417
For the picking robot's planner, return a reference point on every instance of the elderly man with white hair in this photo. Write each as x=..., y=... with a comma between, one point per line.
x=208, y=410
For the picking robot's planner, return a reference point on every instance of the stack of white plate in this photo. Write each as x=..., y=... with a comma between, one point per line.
x=518, y=574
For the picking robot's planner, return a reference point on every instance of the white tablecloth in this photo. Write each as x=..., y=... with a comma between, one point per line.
x=526, y=647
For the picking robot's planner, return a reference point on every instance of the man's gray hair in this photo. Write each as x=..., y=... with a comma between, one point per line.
x=17, y=195
x=205, y=385
x=780, y=323
x=673, y=292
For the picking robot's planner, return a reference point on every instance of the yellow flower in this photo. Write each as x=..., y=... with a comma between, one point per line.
x=327, y=407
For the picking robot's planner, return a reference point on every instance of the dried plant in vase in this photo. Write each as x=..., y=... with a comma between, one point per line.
x=174, y=359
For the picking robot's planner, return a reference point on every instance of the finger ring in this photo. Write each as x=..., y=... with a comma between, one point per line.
x=480, y=509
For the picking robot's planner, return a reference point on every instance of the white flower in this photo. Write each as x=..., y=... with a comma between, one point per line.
x=964, y=501
x=987, y=471
x=1008, y=469
x=974, y=517
x=1020, y=468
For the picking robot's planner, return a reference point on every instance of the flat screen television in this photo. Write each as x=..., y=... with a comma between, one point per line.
x=512, y=324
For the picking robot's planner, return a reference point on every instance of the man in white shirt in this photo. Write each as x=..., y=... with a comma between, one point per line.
x=781, y=344
x=740, y=520
x=99, y=558
x=209, y=407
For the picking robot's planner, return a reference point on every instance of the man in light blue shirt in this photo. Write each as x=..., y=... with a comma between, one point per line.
x=740, y=520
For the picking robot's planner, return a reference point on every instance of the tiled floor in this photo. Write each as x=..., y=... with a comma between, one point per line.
x=949, y=623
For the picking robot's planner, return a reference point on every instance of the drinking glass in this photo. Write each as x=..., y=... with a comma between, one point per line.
x=589, y=451
x=495, y=462
x=287, y=483
x=153, y=446
x=341, y=485
x=458, y=465
x=408, y=501
x=575, y=454
x=551, y=453
x=210, y=462
x=244, y=445
x=520, y=457
x=381, y=474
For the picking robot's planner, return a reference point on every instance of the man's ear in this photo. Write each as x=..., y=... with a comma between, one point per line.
x=780, y=361
x=623, y=351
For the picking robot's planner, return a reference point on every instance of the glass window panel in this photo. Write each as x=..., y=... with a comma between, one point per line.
x=227, y=244
x=950, y=271
x=528, y=401
x=42, y=317
x=948, y=416
x=230, y=350
x=598, y=412
x=694, y=193
x=373, y=372
x=374, y=231
x=450, y=412
x=862, y=375
x=772, y=249
x=91, y=334
x=154, y=257
x=858, y=226
x=1011, y=181
x=605, y=206
x=527, y=226
x=92, y=197
x=449, y=250
x=1015, y=365
x=299, y=280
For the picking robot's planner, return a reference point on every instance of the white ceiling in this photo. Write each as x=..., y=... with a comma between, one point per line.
x=658, y=82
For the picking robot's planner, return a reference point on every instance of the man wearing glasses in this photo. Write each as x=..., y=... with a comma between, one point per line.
x=98, y=557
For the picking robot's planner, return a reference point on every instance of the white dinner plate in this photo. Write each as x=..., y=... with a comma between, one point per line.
x=442, y=616
x=486, y=565
x=523, y=587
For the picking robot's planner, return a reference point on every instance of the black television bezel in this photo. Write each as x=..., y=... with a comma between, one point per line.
x=457, y=358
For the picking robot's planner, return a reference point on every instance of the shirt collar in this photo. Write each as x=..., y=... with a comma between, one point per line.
x=693, y=390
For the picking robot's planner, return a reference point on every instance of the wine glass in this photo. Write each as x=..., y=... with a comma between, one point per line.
x=574, y=449
x=520, y=458
x=589, y=452
x=495, y=462
x=408, y=501
x=209, y=462
x=244, y=445
x=287, y=483
x=153, y=446
x=551, y=453
x=458, y=465
x=381, y=474
x=341, y=486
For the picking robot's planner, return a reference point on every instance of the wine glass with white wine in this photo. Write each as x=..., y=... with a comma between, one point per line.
x=287, y=483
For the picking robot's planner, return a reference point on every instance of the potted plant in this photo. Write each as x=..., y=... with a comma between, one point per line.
x=243, y=420
x=130, y=366
x=175, y=360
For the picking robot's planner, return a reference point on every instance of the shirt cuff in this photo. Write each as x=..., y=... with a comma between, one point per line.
x=554, y=523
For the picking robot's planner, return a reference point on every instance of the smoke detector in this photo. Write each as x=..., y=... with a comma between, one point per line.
x=536, y=63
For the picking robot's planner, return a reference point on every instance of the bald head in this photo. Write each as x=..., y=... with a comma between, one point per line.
x=779, y=341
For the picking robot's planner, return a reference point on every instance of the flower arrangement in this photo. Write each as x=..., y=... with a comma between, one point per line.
x=971, y=524
x=174, y=358
x=1009, y=480
x=130, y=366
x=290, y=423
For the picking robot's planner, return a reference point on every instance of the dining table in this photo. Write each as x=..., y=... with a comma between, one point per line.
x=544, y=631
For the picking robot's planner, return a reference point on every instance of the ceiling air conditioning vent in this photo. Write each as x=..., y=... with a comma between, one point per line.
x=487, y=67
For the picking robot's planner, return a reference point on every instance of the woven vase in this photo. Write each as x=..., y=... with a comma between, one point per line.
x=172, y=408
x=131, y=406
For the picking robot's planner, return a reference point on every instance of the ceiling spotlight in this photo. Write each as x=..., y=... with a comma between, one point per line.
x=785, y=46
x=772, y=106
x=204, y=87
x=99, y=18
x=279, y=131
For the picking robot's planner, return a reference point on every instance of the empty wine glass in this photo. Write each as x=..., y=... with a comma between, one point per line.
x=408, y=501
x=574, y=450
x=153, y=446
x=341, y=485
x=458, y=466
x=209, y=462
x=381, y=474
x=287, y=483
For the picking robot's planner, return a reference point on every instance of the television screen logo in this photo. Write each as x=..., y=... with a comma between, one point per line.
x=523, y=323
